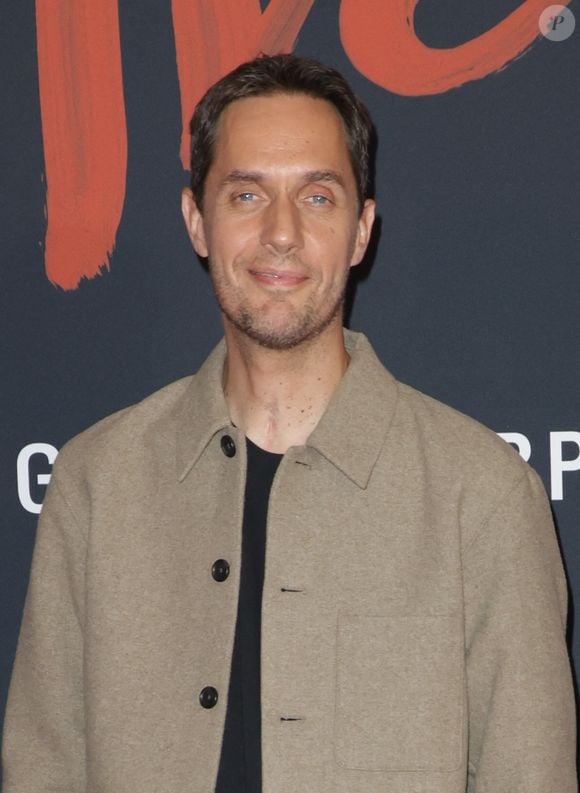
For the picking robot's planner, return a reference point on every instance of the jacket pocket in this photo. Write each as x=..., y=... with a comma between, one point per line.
x=399, y=693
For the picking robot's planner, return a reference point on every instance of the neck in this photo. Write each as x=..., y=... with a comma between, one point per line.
x=277, y=397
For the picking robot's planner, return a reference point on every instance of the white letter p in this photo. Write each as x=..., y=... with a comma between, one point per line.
x=558, y=465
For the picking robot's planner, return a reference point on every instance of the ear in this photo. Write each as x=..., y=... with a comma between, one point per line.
x=193, y=222
x=363, y=231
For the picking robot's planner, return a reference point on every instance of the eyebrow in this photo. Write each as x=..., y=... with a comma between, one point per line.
x=255, y=177
x=235, y=177
x=324, y=176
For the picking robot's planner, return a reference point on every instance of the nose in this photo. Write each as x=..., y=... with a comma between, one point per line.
x=282, y=226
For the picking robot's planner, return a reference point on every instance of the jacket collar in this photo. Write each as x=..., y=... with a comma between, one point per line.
x=202, y=411
x=350, y=434
x=352, y=431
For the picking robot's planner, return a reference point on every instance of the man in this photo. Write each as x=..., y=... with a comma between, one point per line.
x=290, y=572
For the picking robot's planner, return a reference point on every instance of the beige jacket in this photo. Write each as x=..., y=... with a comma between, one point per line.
x=413, y=613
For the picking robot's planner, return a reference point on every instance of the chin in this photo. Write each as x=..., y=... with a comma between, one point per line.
x=283, y=335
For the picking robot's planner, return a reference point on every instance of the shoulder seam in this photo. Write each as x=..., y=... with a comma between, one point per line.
x=55, y=483
x=496, y=507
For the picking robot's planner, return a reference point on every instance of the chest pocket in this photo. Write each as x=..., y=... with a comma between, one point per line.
x=399, y=693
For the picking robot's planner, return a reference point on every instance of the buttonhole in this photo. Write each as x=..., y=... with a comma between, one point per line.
x=289, y=589
x=291, y=718
x=301, y=462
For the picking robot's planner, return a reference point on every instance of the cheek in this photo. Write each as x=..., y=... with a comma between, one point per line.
x=332, y=251
x=228, y=245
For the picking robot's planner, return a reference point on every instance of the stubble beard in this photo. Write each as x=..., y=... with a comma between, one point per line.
x=304, y=325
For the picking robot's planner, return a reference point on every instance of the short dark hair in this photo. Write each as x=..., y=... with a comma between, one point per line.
x=281, y=74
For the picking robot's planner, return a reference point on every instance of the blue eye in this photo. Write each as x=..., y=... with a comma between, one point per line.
x=319, y=199
x=246, y=196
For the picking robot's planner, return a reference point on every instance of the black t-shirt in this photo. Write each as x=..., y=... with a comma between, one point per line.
x=240, y=769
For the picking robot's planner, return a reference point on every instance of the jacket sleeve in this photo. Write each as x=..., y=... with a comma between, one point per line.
x=521, y=703
x=44, y=747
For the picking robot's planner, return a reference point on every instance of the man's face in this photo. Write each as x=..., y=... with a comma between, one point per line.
x=280, y=222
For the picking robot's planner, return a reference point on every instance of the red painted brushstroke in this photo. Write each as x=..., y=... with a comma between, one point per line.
x=379, y=38
x=211, y=38
x=84, y=132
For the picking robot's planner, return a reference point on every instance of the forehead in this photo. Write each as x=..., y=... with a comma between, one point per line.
x=281, y=129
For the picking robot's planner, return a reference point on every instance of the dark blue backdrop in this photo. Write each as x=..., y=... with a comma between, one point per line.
x=471, y=294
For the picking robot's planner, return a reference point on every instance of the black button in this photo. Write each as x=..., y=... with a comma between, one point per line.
x=208, y=697
x=228, y=446
x=220, y=570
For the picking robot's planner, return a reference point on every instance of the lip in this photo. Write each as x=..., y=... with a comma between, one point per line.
x=278, y=277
